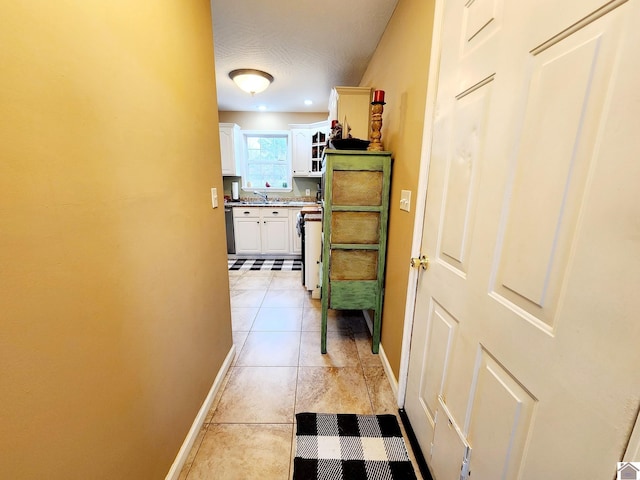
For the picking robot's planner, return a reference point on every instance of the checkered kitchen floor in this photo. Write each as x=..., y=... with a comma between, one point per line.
x=276, y=264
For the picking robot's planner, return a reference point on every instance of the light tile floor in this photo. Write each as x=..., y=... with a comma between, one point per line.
x=278, y=372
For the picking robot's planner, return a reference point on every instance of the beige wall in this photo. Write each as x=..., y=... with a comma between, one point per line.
x=115, y=317
x=271, y=120
x=400, y=67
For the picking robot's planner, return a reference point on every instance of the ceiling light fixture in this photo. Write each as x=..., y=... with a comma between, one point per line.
x=250, y=80
x=308, y=102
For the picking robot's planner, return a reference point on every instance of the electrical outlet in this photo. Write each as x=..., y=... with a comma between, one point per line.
x=405, y=200
x=307, y=192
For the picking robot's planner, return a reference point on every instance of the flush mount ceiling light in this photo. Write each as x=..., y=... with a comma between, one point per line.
x=250, y=80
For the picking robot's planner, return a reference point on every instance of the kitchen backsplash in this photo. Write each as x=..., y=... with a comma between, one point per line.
x=299, y=184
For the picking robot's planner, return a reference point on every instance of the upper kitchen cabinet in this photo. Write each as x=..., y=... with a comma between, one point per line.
x=354, y=104
x=308, y=143
x=230, y=148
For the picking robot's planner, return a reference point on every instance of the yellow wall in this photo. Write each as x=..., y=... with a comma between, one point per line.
x=115, y=317
x=400, y=67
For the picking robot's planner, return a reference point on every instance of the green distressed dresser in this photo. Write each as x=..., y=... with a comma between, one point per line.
x=354, y=224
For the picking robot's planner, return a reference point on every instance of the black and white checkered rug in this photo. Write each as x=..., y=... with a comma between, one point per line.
x=350, y=447
x=265, y=264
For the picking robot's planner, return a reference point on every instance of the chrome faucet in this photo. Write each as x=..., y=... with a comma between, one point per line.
x=261, y=195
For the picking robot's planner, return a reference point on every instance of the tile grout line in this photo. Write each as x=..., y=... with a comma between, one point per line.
x=364, y=375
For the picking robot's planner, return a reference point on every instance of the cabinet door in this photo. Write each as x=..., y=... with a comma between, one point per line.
x=247, y=235
x=301, y=151
x=318, y=144
x=228, y=150
x=275, y=235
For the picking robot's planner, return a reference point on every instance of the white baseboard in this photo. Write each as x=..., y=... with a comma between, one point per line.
x=383, y=358
x=390, y=376
x=183, y=453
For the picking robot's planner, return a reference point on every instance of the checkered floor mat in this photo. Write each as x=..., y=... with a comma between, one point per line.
x=265, y=264
x=350, y=447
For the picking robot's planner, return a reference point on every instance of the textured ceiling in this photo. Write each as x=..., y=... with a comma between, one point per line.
x=308, y=46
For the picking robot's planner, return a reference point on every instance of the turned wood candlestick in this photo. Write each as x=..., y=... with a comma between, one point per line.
x=376, y=126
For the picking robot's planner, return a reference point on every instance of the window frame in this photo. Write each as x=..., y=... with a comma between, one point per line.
x=245, y=159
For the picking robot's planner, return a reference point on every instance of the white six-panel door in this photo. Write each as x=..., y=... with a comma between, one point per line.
x=525, y=351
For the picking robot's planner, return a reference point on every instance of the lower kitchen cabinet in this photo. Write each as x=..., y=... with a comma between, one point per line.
x=247, y=229
x=275, y=230
x=261, y=230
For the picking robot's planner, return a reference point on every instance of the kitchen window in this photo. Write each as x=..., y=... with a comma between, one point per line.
x=266, y=161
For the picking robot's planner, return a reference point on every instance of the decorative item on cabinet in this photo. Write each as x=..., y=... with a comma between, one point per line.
x=377, y=107
x=339, y=141
x=355, y=216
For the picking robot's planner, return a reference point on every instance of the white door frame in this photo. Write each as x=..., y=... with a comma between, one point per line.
x=421, y=198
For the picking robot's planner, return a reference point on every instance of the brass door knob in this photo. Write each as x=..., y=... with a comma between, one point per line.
x=422, y=262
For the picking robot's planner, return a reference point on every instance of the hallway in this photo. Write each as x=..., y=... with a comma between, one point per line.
x=279, y=371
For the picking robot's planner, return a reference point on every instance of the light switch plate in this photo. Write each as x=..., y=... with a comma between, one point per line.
x=405, y=200
x=214, y=197
x=307, y=192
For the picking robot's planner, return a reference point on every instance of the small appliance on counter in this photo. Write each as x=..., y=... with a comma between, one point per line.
x=235, y=191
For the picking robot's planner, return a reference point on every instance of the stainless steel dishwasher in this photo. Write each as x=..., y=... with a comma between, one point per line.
x=228, y=223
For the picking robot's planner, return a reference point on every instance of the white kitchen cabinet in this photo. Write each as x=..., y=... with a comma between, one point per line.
x=354, y=104
x=300, y=151
x=296, y=241
x=261, y=230
x=308, y=142
x=247, y=229
x=275, y=231
x=230, y=148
